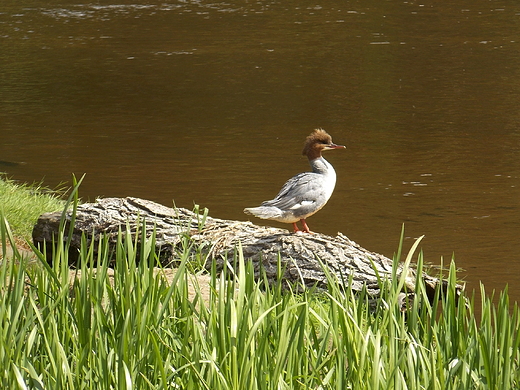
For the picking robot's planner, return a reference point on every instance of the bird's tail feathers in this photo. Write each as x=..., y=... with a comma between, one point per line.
x=264, y=212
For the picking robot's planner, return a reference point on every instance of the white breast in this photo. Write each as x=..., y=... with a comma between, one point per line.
x=330, y=180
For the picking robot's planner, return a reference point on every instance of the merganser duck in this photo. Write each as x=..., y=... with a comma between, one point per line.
x=306, y=193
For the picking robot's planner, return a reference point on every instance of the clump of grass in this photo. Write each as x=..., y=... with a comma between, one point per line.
x=135, y=329
x=22, y=204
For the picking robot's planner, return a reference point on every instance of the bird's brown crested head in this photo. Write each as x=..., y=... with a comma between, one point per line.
x=316, y=142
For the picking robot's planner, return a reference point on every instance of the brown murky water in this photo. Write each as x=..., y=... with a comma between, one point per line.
x=209, y=102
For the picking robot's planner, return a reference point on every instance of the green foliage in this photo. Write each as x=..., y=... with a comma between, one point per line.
x=131, y=328
x=22, y=204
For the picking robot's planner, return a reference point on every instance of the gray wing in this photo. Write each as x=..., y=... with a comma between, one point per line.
x=304, y=187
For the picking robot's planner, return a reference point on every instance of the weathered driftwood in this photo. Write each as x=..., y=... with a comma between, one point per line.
x=299, y=253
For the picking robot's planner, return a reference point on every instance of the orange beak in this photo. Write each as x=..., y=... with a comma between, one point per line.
x=334, y=146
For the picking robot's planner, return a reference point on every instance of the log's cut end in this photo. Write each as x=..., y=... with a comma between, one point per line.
x=302, y=256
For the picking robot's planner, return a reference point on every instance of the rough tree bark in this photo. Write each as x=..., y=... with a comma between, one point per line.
x=299, y=253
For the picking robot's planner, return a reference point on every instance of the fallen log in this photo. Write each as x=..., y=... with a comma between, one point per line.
x=299, y=253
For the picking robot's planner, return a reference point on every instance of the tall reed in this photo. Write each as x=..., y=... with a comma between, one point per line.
x=131, y=328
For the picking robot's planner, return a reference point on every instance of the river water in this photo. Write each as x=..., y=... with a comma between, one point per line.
x=210, y=102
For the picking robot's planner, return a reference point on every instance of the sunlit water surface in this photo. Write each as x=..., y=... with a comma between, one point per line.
x=209, y=103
